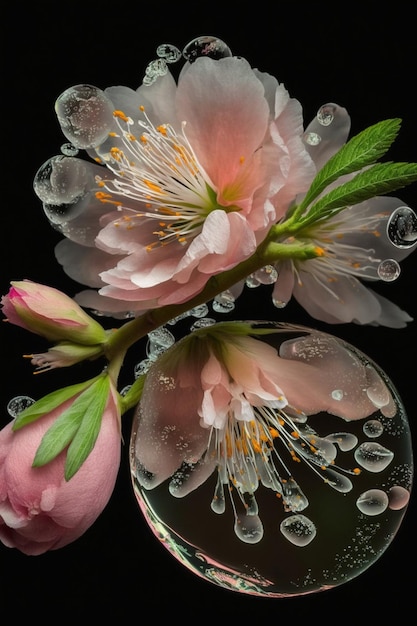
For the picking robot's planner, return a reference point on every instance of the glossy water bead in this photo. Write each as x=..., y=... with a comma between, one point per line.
x=293, y=501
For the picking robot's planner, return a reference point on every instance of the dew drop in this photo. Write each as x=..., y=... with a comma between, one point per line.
x=62, y=183
x=154, y=69
x=170, y=53
x=252, y=282
x=373, y=428
x=202, y=323
x=402, y=227
x=345, y=441
x=388, y=270
x=206, y=46
x=18, y=404
x=266, y=275
x=279, y=304
x=373, y=457
x=312, y=139
x=224, y=302
x=372, y=502
x=298, y=529
x=248, y=528
x=325, y=114
x=85, y=115
x=337, y=394
x=68, y=149
x=398, y=497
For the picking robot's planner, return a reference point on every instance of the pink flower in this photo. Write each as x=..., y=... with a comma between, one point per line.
x=195, y=175
x=221, y=399
x=39, y=509
x=334, y=287
x=50, y=313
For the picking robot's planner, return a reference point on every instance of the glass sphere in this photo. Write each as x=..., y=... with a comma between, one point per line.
x=331, y=492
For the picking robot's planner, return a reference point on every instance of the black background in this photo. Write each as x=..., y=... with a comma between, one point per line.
x=360, y=55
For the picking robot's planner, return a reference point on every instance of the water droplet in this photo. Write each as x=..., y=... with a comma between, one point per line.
x=266, y=275
x=68, y=149
x=156, y=68
x=248, y=528
x=199, y=311
x=312, y=139
x=373, y=429
x=85, y=115
x=63, y=184
x=202, y=323
x=325, y=114
x=345, y=441
x=206, y=46
x=170, y=53
x=388, y=270
x=373, y=457
x=398, y=497
x=372, y=502
x=402, y=227
x=142, y=367
x=252, y=282
x=337, y=394
x=224, y=302
x=279, y=304
x=298, y=529
x=18, y=404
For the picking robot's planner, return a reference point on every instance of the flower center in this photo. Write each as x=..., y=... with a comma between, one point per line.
x=160, y=170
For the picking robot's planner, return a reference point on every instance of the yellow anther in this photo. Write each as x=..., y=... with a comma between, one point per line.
x=152, y=186
x=113, y=134
x=121, y=115
x=162, y=129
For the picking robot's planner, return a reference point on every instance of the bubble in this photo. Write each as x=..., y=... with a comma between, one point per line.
x=388, y=270
x=154, y=69
x=170, y=53
x=312, y=139
x=252, y=282
x=266, y=275
x=402, y=227
x=398, y=497
x=298, y=529
x=373, y=428
x=325, y=114
x=68, y=149
x=85, y=115
x=372, y=502
x=224, y=302
x=373, y=457
x=206, y=46
x=18, y=404
x=63, y=183
x=202, y=323
x=268, y=529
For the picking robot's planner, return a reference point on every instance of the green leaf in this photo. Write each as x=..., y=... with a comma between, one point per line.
x=47, y=404
x=359, y=152
x=380, y=179
x=95, y=400
x=58, y=436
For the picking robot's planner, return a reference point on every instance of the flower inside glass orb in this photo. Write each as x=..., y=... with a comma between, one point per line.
x=226, y=400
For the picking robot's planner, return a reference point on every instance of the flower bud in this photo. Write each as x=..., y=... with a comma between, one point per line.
x=39, y=509
x=48, y=312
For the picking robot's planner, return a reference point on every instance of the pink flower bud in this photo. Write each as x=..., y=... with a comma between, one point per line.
x=48, y=312
x=39, y=509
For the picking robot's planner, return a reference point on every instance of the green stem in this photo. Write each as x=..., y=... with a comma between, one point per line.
x=267, y=253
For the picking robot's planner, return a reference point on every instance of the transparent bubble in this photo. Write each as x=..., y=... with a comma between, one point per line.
x=85, y=115
x=63, y=184
x=389, y=270
x=154, y=69
x=402, y=227
x=312, y=139
x=170, y=53
x=325, y=467
x=325, y=114
x=206, y=46
x=266, y=275
x=18, y=404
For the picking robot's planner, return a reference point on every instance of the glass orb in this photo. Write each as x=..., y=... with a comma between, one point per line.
x=331, y=495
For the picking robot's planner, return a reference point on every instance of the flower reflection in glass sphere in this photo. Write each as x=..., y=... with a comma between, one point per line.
x=271, y=459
